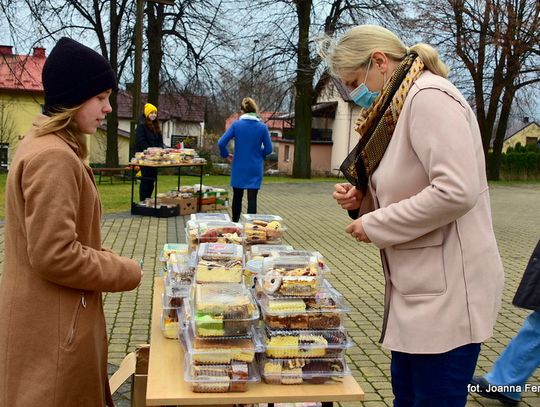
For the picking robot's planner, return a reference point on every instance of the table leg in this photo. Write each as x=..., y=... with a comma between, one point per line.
x=178, y=187
x=200, y=189
x=155, y=190
x=132, y=187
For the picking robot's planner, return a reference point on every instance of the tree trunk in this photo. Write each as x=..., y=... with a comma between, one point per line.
x=304, y=95
x=154, y=34
x=111, y=156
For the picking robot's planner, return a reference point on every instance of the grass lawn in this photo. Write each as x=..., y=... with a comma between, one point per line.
x=115, y=197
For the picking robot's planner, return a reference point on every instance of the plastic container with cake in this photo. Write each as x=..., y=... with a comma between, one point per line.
x=219, y=263
x=261, y=251
x=213, y=231
x=286, y=344
x=222, y=350
x=296, y=276
x=170, y=326
x=222, y=378
x=220, y=310
x=298, y=371
x=207, y=217
x=179, y=271
x=263, y=229
x=173, y=297
x=179, y=249
x=326, y=310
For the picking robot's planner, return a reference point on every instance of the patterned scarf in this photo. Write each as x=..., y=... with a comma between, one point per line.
x=376, y=124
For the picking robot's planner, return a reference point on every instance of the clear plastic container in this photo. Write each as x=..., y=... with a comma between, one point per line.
x=169, y=323
x=219, y=263
x=179, y=271
x=213, y=232
x=290, y=276
x=297, y=371
x=288, y=344
x=221, y=350
x=223, y=310
x=179, y=249
x=224, y=217
x=325, y=310
x=173, y=297
x=263, y=228
x=259, y=251
x=233, y=377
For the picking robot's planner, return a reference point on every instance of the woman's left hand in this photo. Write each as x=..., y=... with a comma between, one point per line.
x=356, y=229
x=230, y=158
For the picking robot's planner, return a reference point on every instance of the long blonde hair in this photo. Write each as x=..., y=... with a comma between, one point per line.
x=354, y=50
x=63, y=124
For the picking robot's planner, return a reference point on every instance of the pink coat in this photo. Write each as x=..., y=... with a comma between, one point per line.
x=53, y=340
x=431, y=218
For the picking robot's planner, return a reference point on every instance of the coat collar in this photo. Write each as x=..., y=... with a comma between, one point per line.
x=41, y=118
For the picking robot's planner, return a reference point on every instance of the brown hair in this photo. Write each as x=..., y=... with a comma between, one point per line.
x=248, y=105
x=63, y=124
x=153, y=125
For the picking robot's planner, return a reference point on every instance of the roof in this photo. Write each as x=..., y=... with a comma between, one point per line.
x=271, y=119
x=512, y=131
x=21, y=72
x=182, y=106
x=324, y=109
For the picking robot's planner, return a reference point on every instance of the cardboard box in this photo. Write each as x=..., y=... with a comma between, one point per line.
x=208, y=207
x=187, y=205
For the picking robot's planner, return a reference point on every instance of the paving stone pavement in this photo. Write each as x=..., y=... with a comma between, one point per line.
x=316, y=222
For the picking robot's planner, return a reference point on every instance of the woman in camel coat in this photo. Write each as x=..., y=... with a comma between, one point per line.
x=53, y=338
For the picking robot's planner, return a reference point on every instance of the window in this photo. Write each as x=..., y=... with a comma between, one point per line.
x=274, y=134
x=287, y=153
x=531, y=141
x=4, y=148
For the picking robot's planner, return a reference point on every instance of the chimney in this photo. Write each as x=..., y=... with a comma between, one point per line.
x=39, y=52
x=6, y=50
x=129, y=88
x=526, y=119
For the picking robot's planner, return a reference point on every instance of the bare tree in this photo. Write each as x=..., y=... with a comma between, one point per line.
x=498, y=43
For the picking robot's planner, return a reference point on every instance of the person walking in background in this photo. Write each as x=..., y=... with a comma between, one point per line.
x=53, y=336
x=417, y=190
x=148, y=134
x=521, y=357
x=251, y=145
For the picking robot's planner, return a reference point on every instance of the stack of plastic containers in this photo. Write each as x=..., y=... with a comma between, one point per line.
x=303, y=332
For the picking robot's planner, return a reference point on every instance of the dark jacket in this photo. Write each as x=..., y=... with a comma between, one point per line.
x=145, y=136
x=528, y=293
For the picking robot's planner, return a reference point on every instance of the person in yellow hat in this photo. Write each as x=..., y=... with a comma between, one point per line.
x=148, y=134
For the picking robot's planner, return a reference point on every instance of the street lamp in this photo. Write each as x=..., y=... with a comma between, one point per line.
x=136, y=96
x=255, y=42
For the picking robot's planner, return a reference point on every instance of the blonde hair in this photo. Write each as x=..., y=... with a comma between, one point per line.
x=248, y=105
x=62, y=123
x=354, y=50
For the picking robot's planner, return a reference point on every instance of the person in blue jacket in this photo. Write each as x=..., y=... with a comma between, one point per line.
x=251, y=145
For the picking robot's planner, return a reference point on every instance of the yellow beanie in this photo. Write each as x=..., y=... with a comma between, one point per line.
x=149, y=108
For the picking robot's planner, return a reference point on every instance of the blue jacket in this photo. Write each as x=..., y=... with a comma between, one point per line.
x=251, y=145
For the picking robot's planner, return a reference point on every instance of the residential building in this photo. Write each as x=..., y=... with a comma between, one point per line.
x=21, y=97
x=525, y=132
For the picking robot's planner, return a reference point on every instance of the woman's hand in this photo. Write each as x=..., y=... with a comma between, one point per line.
x=347, y=196
x=230, y=157
x=356, y=229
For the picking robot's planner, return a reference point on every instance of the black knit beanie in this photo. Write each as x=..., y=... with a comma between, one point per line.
x=72, y=74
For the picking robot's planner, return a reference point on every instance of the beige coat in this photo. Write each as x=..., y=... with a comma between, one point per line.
x=431, y=218
x=53, y=340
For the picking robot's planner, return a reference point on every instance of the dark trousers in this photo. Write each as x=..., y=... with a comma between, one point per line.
x=148, y=179
x=238, y=195
x=438, y=380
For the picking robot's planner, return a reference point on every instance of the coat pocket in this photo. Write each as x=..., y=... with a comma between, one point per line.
x=417, y=267
x=69, y=341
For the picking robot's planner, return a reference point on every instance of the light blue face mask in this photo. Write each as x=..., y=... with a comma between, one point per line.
x=361, y=95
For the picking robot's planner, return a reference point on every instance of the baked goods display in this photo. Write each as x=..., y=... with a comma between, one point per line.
x=297, y=371
x=325, y=310
x=219, y=263
x=206, y=217
x=261, y=251
x=305, y=344
x=221, y=350
x=169, y=323
x=290, y=276
x=223, y=310
x=213, y=232
x=221, y=378
x=263, y=228
x=178, y=272
x=173, y=248
x=166, y=156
